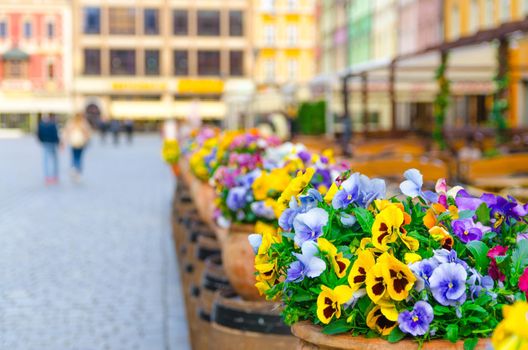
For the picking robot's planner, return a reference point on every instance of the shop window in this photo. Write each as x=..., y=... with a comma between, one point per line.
x=15, y=69
x=208, y=23
x=91, y=20
x=209, y=63
x=3, y=29
x=122, y=62
x=92, y=61
x=122, y=20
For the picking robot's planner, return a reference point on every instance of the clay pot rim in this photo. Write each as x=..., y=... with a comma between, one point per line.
x=311, y=333
x=241, y=228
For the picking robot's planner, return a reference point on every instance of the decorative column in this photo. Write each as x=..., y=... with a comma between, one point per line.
x=441, y=101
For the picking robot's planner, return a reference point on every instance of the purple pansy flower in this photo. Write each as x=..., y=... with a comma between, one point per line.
x=465, y=201
x=448, y=256
x=237, y=198
x=308, y=202
x=309, y=226
x=423, y=270
x=478, y=283
x=416, y=322
x=255, y=240
x=307, y=264
x=358, y=189
x=468, y=231
x=448, y=284
x=412, y=186
x=500, y=209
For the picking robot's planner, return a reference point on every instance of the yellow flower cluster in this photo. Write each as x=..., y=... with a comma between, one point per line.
x=294, y=188
x=170, y=151
x=197, y=159
x=266, y=265
x=512, y=332
x=384, y=278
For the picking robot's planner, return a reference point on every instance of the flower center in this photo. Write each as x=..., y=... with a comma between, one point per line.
x=415, y=318
x=349, y=197
x=450, y=285
x=466, y=232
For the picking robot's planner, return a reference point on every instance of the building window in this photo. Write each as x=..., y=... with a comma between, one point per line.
x=181, y=62
x=293, y=5
x=28, y=29
x=455, y=22
x=209, y=63
x=122, y=20
x=236, y=23
x=269, y=35
x=490, y=10
x=3, y=29
x=180, y=22
x=152, y=66
x=209, y=23
x=268, y=5
x=50, y=30
x=92, y=61
x=92, y=20
x=50, y=71
x=122, y=62
x=292, y=35
x=269, y=70
x=293, y=67
x=15, y=69
x=505, y=11
x=236, y=63
x=151, y=21
x=474, y=16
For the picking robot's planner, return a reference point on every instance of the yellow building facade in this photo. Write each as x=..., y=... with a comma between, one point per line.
x=284, y=41
x=464, y=18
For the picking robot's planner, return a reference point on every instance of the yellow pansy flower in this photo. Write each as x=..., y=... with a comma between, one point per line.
x=376, y=284
x=360, y=268
x=339, y=263
x=331, y=193
x=388, y=227
x=512, y=332
x=441, y=235
x=329, y=302
x=296, y=186
x=412, y=258
x=398, y=277
x=382, y=320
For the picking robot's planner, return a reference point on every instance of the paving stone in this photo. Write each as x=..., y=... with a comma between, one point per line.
x=88, y=266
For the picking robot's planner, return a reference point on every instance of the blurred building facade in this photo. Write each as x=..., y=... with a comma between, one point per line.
x=284, y=40
x=394, y=48
x=35, y=61
x=158, y=59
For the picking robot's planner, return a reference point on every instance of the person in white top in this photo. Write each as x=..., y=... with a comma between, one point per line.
x=77, y=134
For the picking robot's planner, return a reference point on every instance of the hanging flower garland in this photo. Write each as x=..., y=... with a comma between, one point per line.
x=441, y=102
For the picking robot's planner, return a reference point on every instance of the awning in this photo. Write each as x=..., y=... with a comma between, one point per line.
x=163, y=110
x=15, y=54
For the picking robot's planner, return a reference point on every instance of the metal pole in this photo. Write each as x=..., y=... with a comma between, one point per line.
x=392, y=95
x=364, y=102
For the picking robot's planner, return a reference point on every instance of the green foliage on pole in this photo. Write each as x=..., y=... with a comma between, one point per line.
x=311, y=118
x=441, y=103
x=500, y=107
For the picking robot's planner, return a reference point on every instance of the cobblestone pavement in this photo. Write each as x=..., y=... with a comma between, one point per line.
x=88, y=266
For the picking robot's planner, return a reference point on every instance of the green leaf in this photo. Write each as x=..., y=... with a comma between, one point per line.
x=483, y=213
x=479, y=250
x=475, y=308
x=441, y=310
x=470, y=344
x=301, y=297
x=520, y=255
x=396, y=335
x=364, y=218
x=339, y=326
x=452, y=333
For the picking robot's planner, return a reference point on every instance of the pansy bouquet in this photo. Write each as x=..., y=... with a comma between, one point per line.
x=431, y=265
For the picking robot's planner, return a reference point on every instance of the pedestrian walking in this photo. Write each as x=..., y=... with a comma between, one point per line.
x=77, y=133
x=115, y=128
x=129, y=130
x=48, y=135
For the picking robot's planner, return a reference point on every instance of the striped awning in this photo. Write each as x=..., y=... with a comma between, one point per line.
x=15, y=54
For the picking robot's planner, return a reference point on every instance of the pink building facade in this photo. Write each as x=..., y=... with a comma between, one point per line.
x=35, y=60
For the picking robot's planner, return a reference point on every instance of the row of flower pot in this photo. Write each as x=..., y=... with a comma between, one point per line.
x=356, y=267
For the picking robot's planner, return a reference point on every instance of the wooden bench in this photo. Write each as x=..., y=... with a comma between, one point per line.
x=509, y=170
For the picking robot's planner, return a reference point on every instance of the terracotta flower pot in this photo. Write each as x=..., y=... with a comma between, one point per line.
x=238, y=259
x=185, y=171
x=311, y=338
x=175, y=169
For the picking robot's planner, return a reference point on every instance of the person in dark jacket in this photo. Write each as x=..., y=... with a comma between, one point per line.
x=48, y=135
